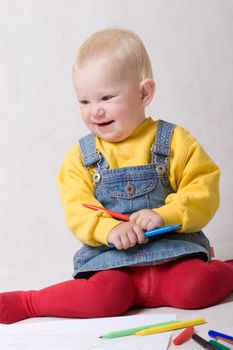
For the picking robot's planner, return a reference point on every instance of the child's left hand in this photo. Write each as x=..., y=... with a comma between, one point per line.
x=145, y=220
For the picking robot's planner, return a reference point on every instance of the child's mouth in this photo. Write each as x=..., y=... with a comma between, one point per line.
x=105, y=124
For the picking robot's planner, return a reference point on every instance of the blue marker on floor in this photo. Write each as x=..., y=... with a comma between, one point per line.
x=215, y=334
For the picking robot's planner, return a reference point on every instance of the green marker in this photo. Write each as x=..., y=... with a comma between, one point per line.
x=130, y=331
x=218, y=346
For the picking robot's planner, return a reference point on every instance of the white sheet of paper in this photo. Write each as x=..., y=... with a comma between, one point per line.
x=83, y=334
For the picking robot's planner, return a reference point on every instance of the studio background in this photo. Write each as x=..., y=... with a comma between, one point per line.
x=190, y=45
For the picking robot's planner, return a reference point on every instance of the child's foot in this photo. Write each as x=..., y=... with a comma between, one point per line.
x=14, y=307
x=230, y=262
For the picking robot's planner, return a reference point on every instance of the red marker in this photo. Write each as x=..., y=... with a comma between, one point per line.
x=114, y=214
x=183, y=336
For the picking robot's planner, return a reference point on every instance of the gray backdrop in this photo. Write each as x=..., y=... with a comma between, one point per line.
x=190, y=44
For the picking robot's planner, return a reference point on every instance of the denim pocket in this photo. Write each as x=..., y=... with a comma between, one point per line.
x=132, y=189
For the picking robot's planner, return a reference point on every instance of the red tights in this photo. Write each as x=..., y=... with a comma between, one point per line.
x=186, y=284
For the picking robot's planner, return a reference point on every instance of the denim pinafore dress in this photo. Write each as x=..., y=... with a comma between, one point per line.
x=130, y=189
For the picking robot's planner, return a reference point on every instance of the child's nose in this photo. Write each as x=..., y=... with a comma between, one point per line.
x=98, y=112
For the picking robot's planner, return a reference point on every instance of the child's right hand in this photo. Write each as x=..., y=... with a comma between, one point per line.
x=124, y=237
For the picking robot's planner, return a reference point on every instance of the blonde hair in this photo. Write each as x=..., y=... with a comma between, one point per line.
x=123, y=46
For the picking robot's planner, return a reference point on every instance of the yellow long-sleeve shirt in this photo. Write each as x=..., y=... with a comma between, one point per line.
x=193, y=176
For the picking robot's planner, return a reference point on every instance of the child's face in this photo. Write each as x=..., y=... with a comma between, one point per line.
x=110, y=102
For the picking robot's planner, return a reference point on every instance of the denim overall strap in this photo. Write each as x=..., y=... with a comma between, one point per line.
x=91, y=157
x=161, y=148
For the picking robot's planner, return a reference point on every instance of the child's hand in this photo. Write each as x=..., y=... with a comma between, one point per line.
x=145, y=220
x=123, y=236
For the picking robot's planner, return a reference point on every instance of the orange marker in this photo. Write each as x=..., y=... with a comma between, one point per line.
x=224, y=339
x=183, y=336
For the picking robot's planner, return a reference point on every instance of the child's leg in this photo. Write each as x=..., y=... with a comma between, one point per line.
x=107, y=293
x=186, y=283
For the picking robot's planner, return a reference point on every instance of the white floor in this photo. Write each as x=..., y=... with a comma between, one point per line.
x=218, y=317
x=45, y=333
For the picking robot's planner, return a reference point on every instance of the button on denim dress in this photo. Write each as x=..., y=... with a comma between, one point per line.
x=128, y=190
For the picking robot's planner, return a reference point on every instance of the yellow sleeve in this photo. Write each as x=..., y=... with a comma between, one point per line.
x=194, y=178
x=76, y=187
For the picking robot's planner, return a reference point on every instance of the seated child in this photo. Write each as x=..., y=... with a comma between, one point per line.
x=151, y=170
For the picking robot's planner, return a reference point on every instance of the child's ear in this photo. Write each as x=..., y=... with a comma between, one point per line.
x=147, y=90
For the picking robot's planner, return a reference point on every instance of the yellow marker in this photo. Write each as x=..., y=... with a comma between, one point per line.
x=171, y=327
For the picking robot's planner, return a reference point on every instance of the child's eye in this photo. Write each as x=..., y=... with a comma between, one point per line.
x=106, y=98
x=83, y=102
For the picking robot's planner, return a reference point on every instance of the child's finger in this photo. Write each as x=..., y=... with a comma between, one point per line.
x=132, y=239
x=138, y=230
x=150, y=225
x=141, y=238
x=146, y=240
x=133, y=217
x=144, y=223
x=126, y=243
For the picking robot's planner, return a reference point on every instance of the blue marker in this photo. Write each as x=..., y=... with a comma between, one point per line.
x=160, y=230
x=155, y=232
x=214, y=334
